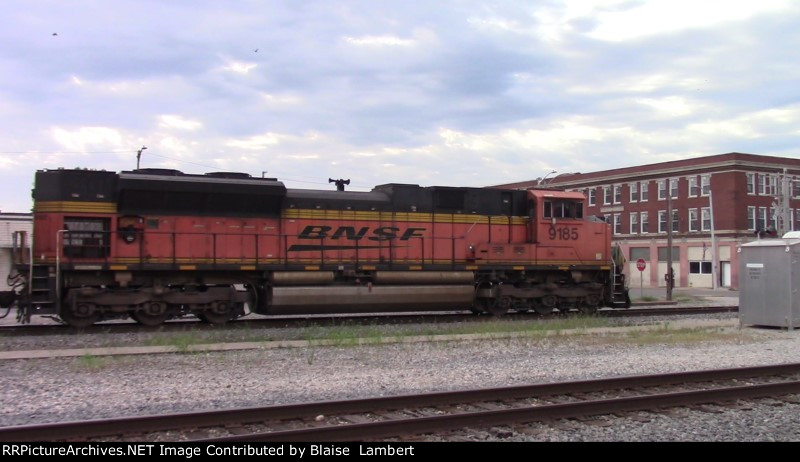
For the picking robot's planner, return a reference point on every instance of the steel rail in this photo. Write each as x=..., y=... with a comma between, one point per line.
x=145, y=424
x=294, y=321
x=393, y=428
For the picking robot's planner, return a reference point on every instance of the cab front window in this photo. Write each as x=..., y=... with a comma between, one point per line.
x=563, y=209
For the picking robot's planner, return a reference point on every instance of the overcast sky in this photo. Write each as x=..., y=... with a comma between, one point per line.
x=457, y=93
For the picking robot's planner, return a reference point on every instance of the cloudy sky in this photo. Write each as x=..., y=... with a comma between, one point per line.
x=461, y=93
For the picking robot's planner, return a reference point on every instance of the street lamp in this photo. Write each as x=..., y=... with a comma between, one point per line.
x=542, y=181
x=139, y=156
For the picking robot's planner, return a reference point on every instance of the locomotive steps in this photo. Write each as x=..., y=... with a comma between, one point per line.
x=706, y=328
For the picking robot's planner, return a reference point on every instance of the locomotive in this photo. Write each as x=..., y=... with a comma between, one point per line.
x=157, y=244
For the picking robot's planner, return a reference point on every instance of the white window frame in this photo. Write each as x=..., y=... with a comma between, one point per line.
x=607, y=195
x=751, y=218
x=751, y=183
x=644, y=191
x=644, y=223
x=592, y=196
x=694, y=188
x=673, y=188
x=662, y=189
x=634, y=222
x=705, y=215
x=705, y=185
x=693, y=221
x=662, y=221
x=617, y=224
x=617, y=193
x=761, y=218
x=634, y=192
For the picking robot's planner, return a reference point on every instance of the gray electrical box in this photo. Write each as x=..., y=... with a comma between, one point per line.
x=769, y=279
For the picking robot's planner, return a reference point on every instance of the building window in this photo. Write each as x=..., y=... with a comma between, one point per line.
x=634, y=222
x=645, y=225
x=694, y=189
x=766, y=185
x=617, y=223
x=617, y=194
x=694, y=224
x=796, y=220
x=706, y=212
x=673, y=188
x=634, y=192
x=751, y=183
x=705, y=185
x=791, y=220
x=662, y=254
x=640, y=252
x=699, y=267
x=606, y=195
x=675, y=221
x=662, y=221
x=761, y=219
x=751, y=218
x=662, y=189
x=795, y=188
x=592, y=196
x=644, y=188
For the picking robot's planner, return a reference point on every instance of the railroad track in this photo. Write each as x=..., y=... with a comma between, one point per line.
x=322, y=320
x=399, y=416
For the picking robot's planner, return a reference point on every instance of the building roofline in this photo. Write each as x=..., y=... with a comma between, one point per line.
x=732, y=159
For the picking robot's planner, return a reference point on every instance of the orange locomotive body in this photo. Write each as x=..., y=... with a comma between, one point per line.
x=158, y=244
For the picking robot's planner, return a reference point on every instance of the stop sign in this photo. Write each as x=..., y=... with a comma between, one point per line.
x=641, y=264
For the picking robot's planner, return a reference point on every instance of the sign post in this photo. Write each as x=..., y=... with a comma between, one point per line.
x=641, y=265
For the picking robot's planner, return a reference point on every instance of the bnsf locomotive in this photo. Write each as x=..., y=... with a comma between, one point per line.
x=157, y=244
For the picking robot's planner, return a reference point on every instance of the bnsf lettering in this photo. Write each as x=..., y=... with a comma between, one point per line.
x=383, y=233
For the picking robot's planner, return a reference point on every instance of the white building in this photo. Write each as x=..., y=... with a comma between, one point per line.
x=9, y=223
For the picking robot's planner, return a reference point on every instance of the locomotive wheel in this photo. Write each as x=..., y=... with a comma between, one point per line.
x=590, y=304
x=546, y=304
x=499, y=307
x=543, y=309
x=84, y=315
x=153, y=314
x=483, y=305
x=219, y=313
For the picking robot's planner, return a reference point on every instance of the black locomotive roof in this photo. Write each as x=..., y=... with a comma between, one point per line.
x=338, y=200
x=165, y=191
x=413, y=198
x=222, y=193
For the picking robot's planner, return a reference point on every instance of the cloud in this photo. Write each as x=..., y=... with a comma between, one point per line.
x=457, y=93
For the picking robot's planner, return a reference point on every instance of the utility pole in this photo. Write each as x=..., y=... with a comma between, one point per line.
x=786, y=194
x=670, y=275
x=139, y=156
x=714, y=259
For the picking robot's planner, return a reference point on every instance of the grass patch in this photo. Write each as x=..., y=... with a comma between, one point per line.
x=181, y=341
x=647, y=298
x=91, y=362
x=682, y=336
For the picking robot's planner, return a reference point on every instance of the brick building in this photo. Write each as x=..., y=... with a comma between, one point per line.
x=745, y=192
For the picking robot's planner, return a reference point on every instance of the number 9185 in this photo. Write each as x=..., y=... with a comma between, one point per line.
x=563, y=233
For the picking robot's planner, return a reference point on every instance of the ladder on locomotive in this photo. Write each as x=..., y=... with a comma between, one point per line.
x=620, y=298
x=37, y=292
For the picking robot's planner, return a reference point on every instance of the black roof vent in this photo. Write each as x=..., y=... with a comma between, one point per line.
x=158, y=171
x=229, y=175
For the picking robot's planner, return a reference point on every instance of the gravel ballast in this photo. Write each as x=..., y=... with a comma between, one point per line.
x=63, y=389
